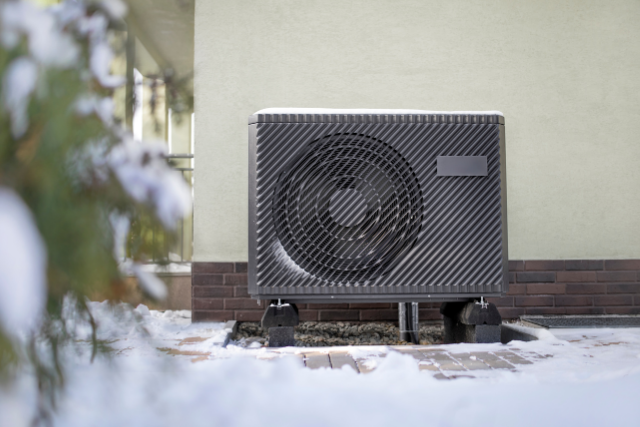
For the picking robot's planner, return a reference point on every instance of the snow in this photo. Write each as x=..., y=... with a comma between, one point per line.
x=100, y=63
x=365, y=111
x=165, y=371
x=18, y=84
x=22, y=265
x=141, y=168
x=48, y=44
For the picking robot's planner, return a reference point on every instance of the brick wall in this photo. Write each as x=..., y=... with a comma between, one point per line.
x=219, y=292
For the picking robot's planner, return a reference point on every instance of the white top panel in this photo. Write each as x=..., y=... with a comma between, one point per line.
x=366, y=111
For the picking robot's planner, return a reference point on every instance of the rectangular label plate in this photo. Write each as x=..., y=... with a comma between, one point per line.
x=462, y=165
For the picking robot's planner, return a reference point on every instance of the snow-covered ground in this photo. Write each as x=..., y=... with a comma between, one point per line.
x=164, y=371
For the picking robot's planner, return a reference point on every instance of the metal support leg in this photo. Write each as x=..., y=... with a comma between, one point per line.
x=408, y=322
x=280, y=319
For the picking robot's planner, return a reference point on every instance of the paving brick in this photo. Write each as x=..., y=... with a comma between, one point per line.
x=572, y=265
x=429, y=314
x=536, y=277
x=516, y=265
x=241, y=267
x=366, y=315
x=573, y=300
x=546, y=310
x=328, y=306
x=617, y=276
x=211, y=316
x=235, y=279
x=501, y=302
x=249, y=316
x=510, y=312
x=534, y=301
x=581, y=288
x=244, y=304
x=576, y=276
x=622, y=264
x=207, y=279
x=207, y=304
x=544, y=265
x=212, y=292
x=241, y=291
x=512, y=277
x=212, y=267
x=623, y=310
x=352, y=315
x=308, y=315
x=546, y=288
x=585, y=310
x=623, y=288
x=377, y=306
x=517, y=289
x=607, y=300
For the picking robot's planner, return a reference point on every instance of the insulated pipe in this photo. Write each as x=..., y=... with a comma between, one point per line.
x=408, y=322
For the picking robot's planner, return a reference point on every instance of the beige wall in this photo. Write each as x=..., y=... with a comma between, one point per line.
x=566, y=74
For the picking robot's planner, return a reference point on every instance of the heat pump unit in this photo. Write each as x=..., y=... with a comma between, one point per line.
x=377, y=205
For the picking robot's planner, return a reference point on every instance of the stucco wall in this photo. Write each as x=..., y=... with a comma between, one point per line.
x=566, y=74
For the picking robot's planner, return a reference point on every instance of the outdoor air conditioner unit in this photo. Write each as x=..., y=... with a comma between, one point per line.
x=377, y=205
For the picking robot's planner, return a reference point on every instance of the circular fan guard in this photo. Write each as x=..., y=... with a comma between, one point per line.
x=347, y=208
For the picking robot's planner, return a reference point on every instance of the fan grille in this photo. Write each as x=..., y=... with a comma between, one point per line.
x=348, y=208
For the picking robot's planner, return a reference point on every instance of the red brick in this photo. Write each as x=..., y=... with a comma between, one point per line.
x=534, y=301
x=617, y=276
x=544, y=265
x=249, y=316
x=235, y=279
x=429, y=314
x=546, y=310
x=572, y=265
x=241, y=267
x=206, y=279
x=340, y=315
x=377, y=306
x=516, y=265
x=244, y=304
x=576, y=276
x=328, y=306
x=377, y=314
x=241, y=291
x=211, y=316
x=605, y=300
x=510, y=312
x=517, y=289
x=585, y=310
x=435, y=305
x=546, y=288
x=536, y=277
x=212, y=267
x=623, y=310
x=206, y=304
x=623, y=288
x=501, y=302
x=211, y=292
x=512, y=277
x=308, y=315
x=580, y=288
x=636, y=300
x=573, y=300
x=622, y=264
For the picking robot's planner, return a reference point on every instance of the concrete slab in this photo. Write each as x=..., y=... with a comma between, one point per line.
x=338, y=360
x=317, y=360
